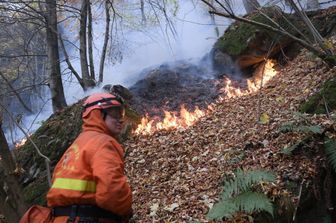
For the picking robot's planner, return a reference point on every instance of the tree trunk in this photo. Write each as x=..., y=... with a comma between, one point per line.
x=313, y=4
x=213, y=20
x=90, y=41
x=12, y=203
x=143, y=14
x=250, y=5
x=56, y=86
x=88, y=82
x=106, y=39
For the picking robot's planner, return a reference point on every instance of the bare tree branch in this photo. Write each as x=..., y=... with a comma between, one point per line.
x=67, y=60
x=15, y=93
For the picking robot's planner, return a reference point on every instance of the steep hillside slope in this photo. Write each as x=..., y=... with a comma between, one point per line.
x=177, y=175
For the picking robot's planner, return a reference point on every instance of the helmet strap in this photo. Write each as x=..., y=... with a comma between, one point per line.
x=104, y=113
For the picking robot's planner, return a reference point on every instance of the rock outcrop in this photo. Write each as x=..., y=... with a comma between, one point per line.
x=246, y=46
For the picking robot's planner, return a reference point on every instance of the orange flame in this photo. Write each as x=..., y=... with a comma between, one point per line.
x=261, y=77
x=170, y=121
x=186, y=119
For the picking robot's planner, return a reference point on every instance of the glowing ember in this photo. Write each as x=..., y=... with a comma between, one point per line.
x=171, y=121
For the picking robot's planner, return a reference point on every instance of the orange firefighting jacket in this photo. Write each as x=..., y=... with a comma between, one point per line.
x=91, y=171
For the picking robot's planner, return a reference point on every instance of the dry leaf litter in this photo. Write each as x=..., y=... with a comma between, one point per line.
x=177, y=175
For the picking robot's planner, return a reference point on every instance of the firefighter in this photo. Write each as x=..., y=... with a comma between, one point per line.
x=88, y=182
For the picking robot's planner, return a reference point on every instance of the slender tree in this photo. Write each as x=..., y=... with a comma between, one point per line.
x=106, y=39
x=143, y=14
x=213, y=20
x=87, y=79
x=90, y=40
x=56, y=86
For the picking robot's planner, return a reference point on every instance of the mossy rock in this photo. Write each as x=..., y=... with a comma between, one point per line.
x=326, y=97
x=248, y=44
x=236, y=39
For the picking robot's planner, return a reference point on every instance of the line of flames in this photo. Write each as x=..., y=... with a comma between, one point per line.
x=188, y=118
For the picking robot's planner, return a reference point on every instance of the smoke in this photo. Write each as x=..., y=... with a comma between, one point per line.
x=189, y=34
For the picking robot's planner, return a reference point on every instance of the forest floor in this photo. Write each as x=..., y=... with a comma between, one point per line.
x=176, y=176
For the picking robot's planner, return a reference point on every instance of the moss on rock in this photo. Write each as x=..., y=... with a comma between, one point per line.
x=236, y=39
x=249, y=44
x=325, y=98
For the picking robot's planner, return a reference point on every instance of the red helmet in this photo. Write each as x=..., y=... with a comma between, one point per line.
x=101, y=101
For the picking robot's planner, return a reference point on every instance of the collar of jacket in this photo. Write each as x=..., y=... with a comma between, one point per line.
x=94, y=122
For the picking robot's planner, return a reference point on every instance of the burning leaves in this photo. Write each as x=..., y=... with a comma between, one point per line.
x=176, y=174
x=186, y=119
x=170, y=121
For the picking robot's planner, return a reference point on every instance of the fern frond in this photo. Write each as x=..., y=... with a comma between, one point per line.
x=315, y=129
x=237, y=195
x=222, y=209
x=250, y=202
x=287, y=127
x=290, y=127
x=300, y=115
x=330, y=149
x=244, y=180
x=288, y=150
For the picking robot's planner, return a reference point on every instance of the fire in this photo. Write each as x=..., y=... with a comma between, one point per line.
x=261, y=77
x=187, y=118
x=170, y=121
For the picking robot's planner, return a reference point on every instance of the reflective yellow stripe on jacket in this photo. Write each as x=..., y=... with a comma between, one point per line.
x=74, y=184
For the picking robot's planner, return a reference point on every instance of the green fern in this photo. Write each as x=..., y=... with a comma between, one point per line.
x=312, y=129
x=222, y=209
x=244, y=180
x=288, y=150
x=330, y=149
x=287, y=127
x=309, y=130
x=253, y=202
x=238, y=196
